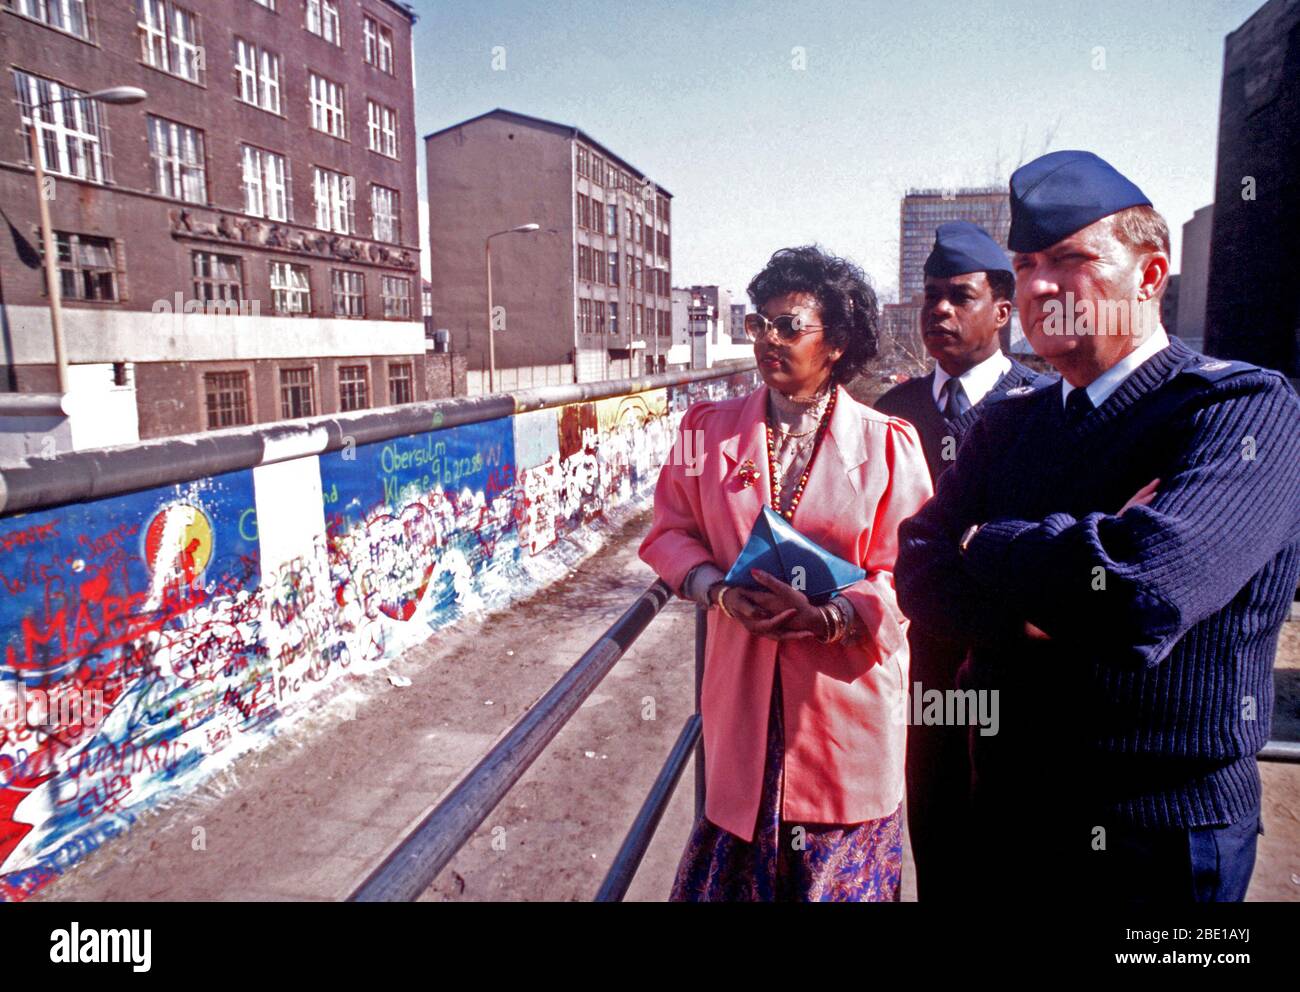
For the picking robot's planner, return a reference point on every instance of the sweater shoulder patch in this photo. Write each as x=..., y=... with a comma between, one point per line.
x=1217, y=369
x=1038, y=383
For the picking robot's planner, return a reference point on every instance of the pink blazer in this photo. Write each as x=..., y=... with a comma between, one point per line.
x=845, y=736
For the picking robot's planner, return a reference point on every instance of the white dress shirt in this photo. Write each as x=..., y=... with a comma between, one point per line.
x=1110, y=380
x=975, y=382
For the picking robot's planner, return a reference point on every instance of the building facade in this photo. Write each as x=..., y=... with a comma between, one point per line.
x=1252, y=309
x=585, y=297
x=1194, y=277
x=923, y=210
x=242, y=245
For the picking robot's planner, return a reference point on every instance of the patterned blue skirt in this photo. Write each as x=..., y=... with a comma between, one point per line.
x=788, y=862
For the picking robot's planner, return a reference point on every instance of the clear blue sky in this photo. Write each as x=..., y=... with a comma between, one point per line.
x=704, y=98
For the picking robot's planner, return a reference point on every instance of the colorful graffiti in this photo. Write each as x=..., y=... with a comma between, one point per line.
x=190, y=623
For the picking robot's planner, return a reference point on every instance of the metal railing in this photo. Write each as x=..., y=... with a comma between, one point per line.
x=411, y=867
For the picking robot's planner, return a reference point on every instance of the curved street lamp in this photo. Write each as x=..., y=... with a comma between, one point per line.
x=487, y=250
x=115, y=95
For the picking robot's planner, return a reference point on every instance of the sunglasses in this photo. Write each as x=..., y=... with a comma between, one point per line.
x=789, y=326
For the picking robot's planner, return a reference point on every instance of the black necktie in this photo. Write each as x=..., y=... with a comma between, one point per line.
x=1077, y=405
x=955, y=402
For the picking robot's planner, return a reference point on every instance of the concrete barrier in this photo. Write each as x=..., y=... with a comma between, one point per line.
x=169, y=606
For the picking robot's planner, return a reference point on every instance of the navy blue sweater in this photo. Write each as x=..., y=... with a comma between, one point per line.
x=1164, y=620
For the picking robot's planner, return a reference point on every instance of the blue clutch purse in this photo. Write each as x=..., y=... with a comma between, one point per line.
x=775, y=547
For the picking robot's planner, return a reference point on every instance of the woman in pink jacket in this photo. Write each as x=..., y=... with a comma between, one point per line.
x=802, y=705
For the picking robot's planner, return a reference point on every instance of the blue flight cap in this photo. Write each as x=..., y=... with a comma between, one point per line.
x=960, y=247
x=1062, y=192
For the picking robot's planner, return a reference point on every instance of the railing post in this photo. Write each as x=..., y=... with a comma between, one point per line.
x=701, y=636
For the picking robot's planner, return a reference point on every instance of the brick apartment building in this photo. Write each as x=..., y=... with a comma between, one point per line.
x=588, y=296
x=240, y=247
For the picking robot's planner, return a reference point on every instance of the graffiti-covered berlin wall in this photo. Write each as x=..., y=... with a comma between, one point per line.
x=153, y=636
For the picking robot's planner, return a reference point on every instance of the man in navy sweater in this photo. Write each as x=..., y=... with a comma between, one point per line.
x=1121, y=551
x=968, y=290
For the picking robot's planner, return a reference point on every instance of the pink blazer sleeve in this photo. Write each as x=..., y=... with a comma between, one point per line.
x=873, y=598
x=676, y=542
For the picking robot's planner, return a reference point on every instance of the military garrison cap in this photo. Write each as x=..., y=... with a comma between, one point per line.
x=960, y=247
x=1061, y=192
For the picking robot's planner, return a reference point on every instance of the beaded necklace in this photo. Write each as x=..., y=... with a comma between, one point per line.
x=773, y=472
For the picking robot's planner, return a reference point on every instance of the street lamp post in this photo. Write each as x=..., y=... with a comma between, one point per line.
x=114, y=94
x=487, y=251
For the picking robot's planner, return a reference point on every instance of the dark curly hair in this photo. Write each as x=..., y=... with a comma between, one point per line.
x=848, y=303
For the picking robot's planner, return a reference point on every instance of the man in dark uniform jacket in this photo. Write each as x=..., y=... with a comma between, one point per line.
x=968, y=290
x=1121, y=550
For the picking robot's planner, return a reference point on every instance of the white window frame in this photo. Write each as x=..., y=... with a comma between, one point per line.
x=323, y=21
x=382, y=127
x=290, y=288
x=257, y=70
x=70, y=132
x=395, y=291
x=68, y=16
x=265, y=183
x=169, y=36
x=348, y=288
x=385, y=214
x=179, y=165
x=379, y=45
x=335, y=210
x=328, y=105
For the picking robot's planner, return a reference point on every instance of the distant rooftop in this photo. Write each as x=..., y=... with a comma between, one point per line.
x=573, y=129
x=965, y=191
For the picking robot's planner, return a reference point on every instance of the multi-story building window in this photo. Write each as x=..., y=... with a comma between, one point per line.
x=266, y=184
x=396, y=294
x=613, y=318
x=297, y=393
x=227, y=399
x=640, y=273
x=323, y=19
x=327, y=106
x=88, y=267
x=217, y=277
x=177, y=153
x=584, y=316
x=600, y=316
x=426, y=297
x=169, y=38
x=66, y=15
x=584, y=262
x=349, y=290
x=638, y=314
x=290, y=288
x=354, y=387
x=584, y=211
x=382, y=126
x=597, y=266
x=257, y=73
x=597, y=170
x=401, y=383
x=385, y=214
x=335, y=201
x=613, y=268
x=70, y=133
x=378, y=45
x=611, y=219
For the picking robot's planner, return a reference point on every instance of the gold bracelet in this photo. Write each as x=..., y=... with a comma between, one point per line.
x=722, y=605
x=830, y=625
